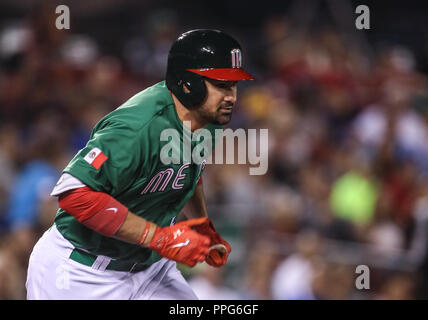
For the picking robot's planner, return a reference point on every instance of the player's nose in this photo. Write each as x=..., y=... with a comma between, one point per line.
x=230, y=97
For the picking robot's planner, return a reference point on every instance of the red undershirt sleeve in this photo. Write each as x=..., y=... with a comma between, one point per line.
x=96, y=210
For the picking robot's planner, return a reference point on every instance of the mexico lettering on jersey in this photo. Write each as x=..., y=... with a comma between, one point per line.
x=122, y=158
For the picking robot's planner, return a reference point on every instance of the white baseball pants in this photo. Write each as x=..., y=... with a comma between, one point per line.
x=53, y=275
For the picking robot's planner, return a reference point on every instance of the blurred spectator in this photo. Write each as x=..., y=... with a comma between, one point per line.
x=257, y=273
x=46, y=156
x=292, y=279
x=12, y=273
x=398, y=286
x=208, y=284
x=334, y=281
x=354, y=198
x=8, y=159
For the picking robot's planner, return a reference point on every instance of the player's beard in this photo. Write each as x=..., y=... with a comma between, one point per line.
x=221, y=116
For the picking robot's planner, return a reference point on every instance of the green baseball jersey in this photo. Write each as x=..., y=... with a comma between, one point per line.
x=123, y=159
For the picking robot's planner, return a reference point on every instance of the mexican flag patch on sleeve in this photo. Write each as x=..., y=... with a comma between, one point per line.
x=95, y=157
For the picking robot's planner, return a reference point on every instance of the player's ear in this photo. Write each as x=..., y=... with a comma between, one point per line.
x=185, y=85
x=186, y=88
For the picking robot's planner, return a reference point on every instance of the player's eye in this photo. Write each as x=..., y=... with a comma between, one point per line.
x=226, y=85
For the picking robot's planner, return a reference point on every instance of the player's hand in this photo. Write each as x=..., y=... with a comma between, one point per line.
x=180, y=243
x=219, y=248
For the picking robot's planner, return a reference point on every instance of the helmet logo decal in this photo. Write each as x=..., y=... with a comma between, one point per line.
x=236, y=58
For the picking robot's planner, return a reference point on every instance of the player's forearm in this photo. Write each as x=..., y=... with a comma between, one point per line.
x=133, y=228
x=196, y=206
x=105, y=215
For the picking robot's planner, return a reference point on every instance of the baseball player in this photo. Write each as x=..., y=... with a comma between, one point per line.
x=115, y=235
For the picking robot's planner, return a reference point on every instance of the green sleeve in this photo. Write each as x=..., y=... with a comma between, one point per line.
x=122, y=147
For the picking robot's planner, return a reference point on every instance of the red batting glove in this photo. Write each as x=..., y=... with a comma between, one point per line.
x=180, y=243
x=219, y=248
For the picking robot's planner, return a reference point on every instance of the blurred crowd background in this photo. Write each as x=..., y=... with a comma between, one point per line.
x=346, y=109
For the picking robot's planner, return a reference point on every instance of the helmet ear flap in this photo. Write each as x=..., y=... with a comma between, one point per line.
x=189, y=88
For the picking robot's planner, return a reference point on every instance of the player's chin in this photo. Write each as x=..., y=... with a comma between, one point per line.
x=223, y=118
